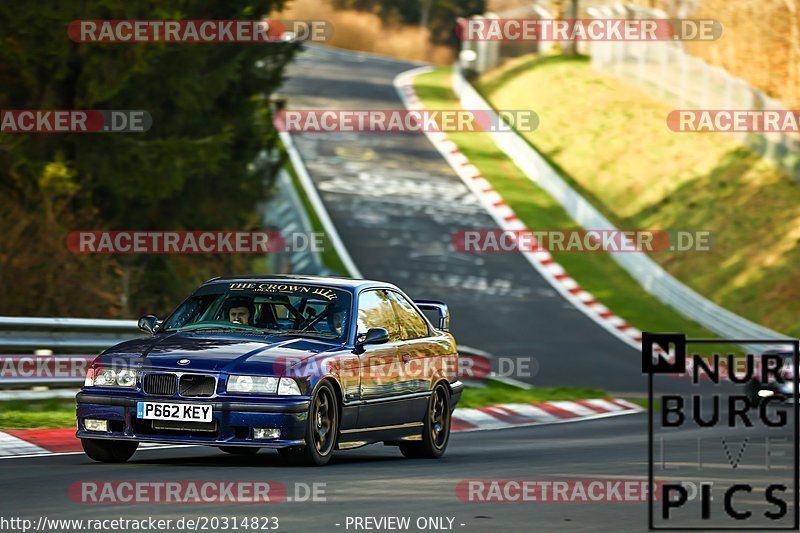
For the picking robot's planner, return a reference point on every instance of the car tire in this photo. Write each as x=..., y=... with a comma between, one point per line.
x=240, y=450
x=436, y=428
x=322, y=430
x=109, y=451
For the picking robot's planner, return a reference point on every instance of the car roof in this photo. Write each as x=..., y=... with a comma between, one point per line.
x=350, y=284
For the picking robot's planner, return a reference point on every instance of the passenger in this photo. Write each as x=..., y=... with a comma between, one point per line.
x=335, y=319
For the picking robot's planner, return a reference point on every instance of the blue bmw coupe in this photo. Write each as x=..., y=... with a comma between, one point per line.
x=304, y=365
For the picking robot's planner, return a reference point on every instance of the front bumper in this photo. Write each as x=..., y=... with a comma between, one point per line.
x=233, y=421
x=456, y=388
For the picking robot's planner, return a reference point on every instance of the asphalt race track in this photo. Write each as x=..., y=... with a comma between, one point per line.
x=372, y=481
x=377, y=481
x=396, y=203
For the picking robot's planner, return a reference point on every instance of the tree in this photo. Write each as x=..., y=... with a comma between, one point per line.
x=189, y=171
x=568, y=9
x=438, y=16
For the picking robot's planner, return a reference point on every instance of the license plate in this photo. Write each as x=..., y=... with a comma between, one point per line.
x=184, y=412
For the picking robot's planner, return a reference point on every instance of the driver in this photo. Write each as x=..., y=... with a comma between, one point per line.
x=335, y=319
x=240, y=310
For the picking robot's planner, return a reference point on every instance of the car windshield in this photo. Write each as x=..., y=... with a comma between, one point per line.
x=268, y=308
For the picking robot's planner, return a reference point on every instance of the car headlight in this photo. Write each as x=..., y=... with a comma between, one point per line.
x=263, y=385
x=252, y=384
x=107, y=377
x=126, y=378
x=288, y=387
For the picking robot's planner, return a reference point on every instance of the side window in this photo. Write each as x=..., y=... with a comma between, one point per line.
x=412, y=325
x=375, y=311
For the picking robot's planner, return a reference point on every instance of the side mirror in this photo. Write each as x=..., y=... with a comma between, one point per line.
x=375, y=336
x=148, y=324
x=441, y=310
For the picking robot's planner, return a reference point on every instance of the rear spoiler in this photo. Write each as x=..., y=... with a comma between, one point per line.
x=440, y=308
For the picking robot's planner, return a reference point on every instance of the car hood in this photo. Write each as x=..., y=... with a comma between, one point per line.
x=249, y=354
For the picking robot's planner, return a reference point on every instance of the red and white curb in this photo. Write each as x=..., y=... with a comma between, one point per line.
x=62, y=441
x=510, y=415
x=507, y=220
x=33, y=442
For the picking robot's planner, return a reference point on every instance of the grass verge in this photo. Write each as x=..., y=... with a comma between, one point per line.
x=40, y=414
x=495, y=393
x=596, y=272
x=610, y=141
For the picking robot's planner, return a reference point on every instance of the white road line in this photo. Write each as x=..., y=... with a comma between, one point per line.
x=150, y=447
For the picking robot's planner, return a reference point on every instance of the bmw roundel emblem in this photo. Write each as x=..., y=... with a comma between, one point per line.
x=184, y=362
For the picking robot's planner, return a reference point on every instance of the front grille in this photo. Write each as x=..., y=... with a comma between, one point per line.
x=197, y=385
x=160, y=384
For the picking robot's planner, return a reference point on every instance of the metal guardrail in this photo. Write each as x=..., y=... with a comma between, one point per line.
x=72, y=335
x=78, y=340
x=55, y=352
x=74, y=340
x=667, y=70
x=286, y=213
x=67, y=341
